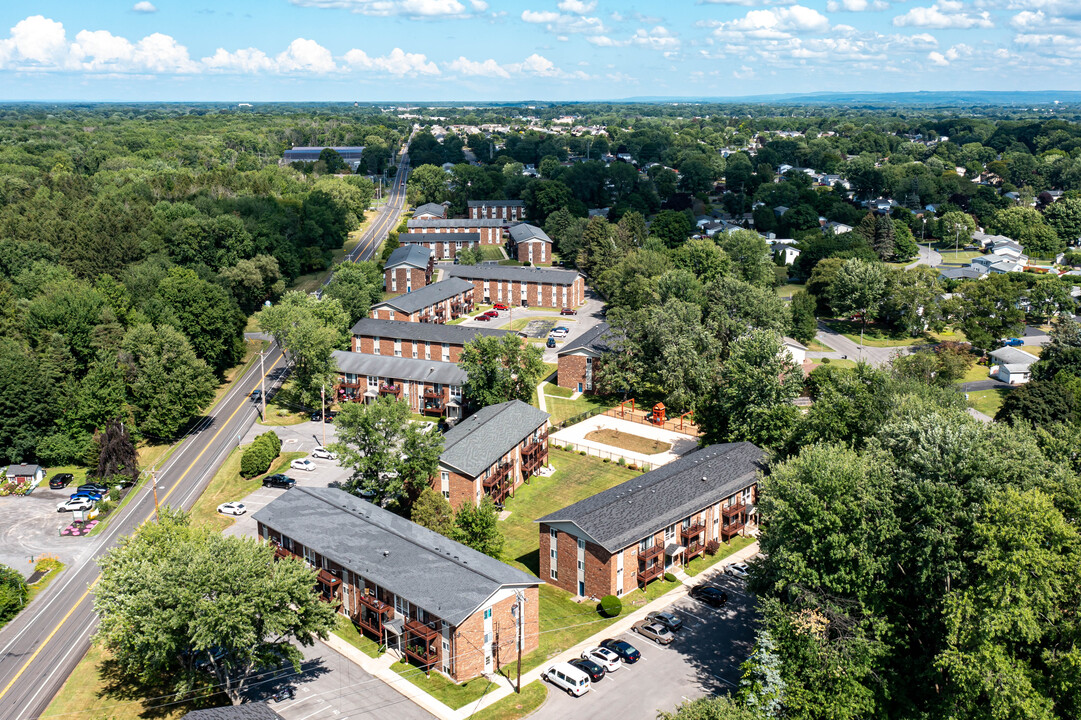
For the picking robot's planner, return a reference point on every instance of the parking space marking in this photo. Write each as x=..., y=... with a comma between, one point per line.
x=726, y=682
x=688, y=612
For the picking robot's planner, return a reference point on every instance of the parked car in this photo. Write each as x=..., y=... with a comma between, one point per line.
x=302, y=464
x=95, y=487
x=60, y=481
x=568, y=311
x=317, y=416
x=709, y=595
x=95, y=496
x=670, y=621
x=568, y=677
x=604, y=657
x=492, y=314
x=627, y=652
x=483, y=317
x=501, y=306
x=551, y=342
x=590, y=668
x=1013, y=342
x=233, y=508
x=739, y=570
x=654, y=631
x=74, y=504
x=323, y=454
x=279, y=481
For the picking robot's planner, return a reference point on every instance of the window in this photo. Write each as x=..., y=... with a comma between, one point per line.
x=446, y=494
x=669, y=532
x=552, y=533
x=488, y=614
x=375, y=344
x=645, y=544
x=581, y=565
x=686, y=523
x=581, y=544
x=554, y=574
x=487, y=640
x=393, y=281
x=553, y=553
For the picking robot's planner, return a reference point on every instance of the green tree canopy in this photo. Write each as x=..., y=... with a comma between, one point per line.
x=501, y=369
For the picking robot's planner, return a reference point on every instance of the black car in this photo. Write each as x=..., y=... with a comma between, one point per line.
x=60, y=481
x=95, y=487
x=627, y=652
x=710, y=595
x=551, y=343
x=279, y=481
x=590, y=668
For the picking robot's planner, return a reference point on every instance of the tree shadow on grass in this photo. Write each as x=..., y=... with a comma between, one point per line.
x=531, y=560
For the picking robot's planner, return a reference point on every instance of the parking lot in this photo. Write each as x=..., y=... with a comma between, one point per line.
x=703, y=659
x=30, y=527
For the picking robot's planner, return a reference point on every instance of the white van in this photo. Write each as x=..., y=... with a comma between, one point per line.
x=568, y=677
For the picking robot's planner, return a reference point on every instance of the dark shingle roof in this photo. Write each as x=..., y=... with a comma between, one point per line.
x=430, y=332
x=513, y=273
x=430, y=208
x=18, y=470
x=453, y=223
x=247, y=711
x=597, y=339
x=399, y=368
x=441, y=576
x=524, y=231
x=623, y=515
x=496, y=203
x=475, y=443
x=433, y=237
x=413, y=255
x=426, y=296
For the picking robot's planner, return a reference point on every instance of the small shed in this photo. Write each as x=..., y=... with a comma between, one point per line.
x=26, y=473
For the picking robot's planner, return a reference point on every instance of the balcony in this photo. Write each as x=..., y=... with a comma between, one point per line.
x=533, y=446
x=436, y=408
x=650, y=573
x=373, y=614
x=329, y=585
x=281, y=553
x=691, y=533
x=422, y=642
x=499, y=483
x=433, y=394
x=531, y=462
x=731, y=529
x=395, y=390
x=694, y=549
x=733, y=510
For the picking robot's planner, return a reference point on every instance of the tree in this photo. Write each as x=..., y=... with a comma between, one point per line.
x=1063, y=353
x=762, y=687
x=942, y=366
x=477, y=527
x=422, y=446
x=467, y=256
x=750, y=255
x=671, y=226
x=860, y=287
x=988, y=309
x=912, y=300
x=174, y=601
x=884, y=238
x=702, y=257
x=822, y=277
x=254, y=281
x=370, y=437
x=431, y=510
x=501, y=369
x=721, y=707
x=332, y=161
x=696, y=176
x=356, y=285
x=116, y=452
x=752, y=399
x=167, y=384
x=544, y=197
x=353, y=195
x=1064, y=217
x=804, y=323
x=26, y=403
x=1039, y=402
x=1027, y=226
x=431, y=182
x=206, y=314
x=956, y=227
x=14, y=593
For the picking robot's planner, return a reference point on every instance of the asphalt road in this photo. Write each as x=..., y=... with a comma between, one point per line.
x=44, y=643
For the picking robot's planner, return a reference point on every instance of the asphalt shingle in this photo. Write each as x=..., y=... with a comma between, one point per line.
x=411, y=255
x=427, y=296
x=423, y=332
x=474, y=444
x=513, y=274
x=399, y=368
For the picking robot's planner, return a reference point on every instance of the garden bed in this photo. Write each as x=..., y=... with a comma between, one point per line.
x=629, y=442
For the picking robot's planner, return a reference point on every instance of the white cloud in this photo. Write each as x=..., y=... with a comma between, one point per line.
x=748, y=3
x=945, y=14
x=249, y=60
x=579, y=7
x=534, y=65
x=397, y=62
x=938, y=58
x=162, y=54
x=563, y=24
x=743, y=73
x=478, y=5
x=101, y=50
x=777, y=23
x=305, y=55
x=38, y=40
x=144, y=7
x=857, y=5
x=408, y=8
x=471, y=68
x=659, y=38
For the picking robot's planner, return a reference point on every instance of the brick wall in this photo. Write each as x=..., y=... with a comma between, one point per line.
x=407, y=277
x=488, y=235
x=600, y=571
x=542, y=252
x=366, y=344
x=469, y=636
x=571, y=371
x=463, y=489
x=537, y=294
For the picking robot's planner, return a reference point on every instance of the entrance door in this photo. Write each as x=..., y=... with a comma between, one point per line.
x=581, y=588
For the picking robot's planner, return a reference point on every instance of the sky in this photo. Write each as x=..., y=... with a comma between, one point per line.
x=502, y=50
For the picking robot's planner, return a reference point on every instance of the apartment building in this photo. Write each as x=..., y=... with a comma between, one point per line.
x=429, y=387
x=631, y=534
x=530, y=244
x=525, y=286
x=506, y=210
x=436, y=303
x=491, y=231
x=424, y=341
x=408, y=268
x=442, y=245
x=580, y=359
x=430, y=211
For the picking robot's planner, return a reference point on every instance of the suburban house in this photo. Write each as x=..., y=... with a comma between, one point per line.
x=408, y=268
x=579, y=359
x=430, y=387
x=784, y=251
x=445, y=606
x=492, y=452
x=998, y=263
x=525, y=286
x=491, y=231
x=796, y=350
x=968, y=272
x=430, y=211
x=442, y=245
x=1008, y=248
x=427, y=341
x=438, y=302
x=985, y=241
x=24, y=473
x=1012, y=365
x=631, y=534
x=530, y=244
x=836, y=228
x=508, y=210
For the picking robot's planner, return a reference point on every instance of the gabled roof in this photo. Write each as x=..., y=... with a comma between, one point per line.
x=495, y=203
x=513, y=273
x=399, y=368
x=411, y=255
x=18, y=470
x=439, y=575
x=426, y=296
x=626, y=513
x=247, y=711
x=969, y=272
x=1013, y=356
x=524, y=232
x=474, y=444
x=454, y=223
x=423, y=332
x=438, y=237
x=430, y=209
x=598, y=340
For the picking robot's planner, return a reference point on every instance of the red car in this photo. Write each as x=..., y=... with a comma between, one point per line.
x=484, y=317
x=500, y=306
x=568, y=311
x=492, y=314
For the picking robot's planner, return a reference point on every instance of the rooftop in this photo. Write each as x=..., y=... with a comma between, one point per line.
x=524, y=231
x=426, y=296
x=399, y=368
x=495, y=203
x=453, y=223
x=247, y=711
x=413, y=255
x=476, y=443
x=513, y=273
x=598, y=340
x=626, y=513
x=429, y=570
x=1013, y=356
x=430, y=209
x=414, y=238
x=430, y=332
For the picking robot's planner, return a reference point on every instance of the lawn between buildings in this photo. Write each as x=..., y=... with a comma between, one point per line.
x=562, y=409
x=228, y=486
x=988, y=401
x=873, y=335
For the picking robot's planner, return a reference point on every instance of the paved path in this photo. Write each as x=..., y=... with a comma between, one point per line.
x=874, y=355
x=927, y=257
x=988, y=384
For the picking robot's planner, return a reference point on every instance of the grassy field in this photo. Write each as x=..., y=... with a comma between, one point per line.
x=789, y=289
x=443, y=689
x=962, y=256
x=873, y=336
x=988, y=401
x=629, y=442
x=347, y=630
x=975, y=373
x=228, y=486
x=551, y=390
x=515, y=706
x=841, y=363
x=705, y=562
x=512, y=263
x=562, y=408
x=492, y=252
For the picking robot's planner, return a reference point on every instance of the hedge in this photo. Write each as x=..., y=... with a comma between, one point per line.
x=260, y=454
x=611, y=606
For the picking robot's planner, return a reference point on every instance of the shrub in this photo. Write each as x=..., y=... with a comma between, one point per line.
x=105, y=507
x=582, y=453
x=825, y=361
x=669, y=577
x=611, y=606
x=632, y=466
x=12, y=593
x=712, y=547
x=621, y=462
x=608, y=460
x=114, y=494
x=568, y=447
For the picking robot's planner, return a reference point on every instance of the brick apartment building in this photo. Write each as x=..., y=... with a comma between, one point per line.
x=493, y=451
x=530, y=244
x=436, y=303
x=631, y=534
x=430, y=211
x=442, y=245
x=506, y=210
x=408, y=268
x=430, y=387
x=580, y=359
x=425, y=341
x=445, y=606
x=525, y=286
x=491, y=231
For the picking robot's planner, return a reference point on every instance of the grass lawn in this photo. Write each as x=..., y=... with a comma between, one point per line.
x=347, y=630
x=513, y=263
x=280, y=412
x=627, y=441
x=816, y=346
x=704, y=562
x=551, y=390
x=976, y=372
x=841, y=363
x=228, y=486
x=491, y=252
x=988, y=401
x=444, y=690
x=79, y=473
x=515, y=706
x=47, y=562
x=948, y=335
x=789, y=289
x=563, y=408
x=873, y=336
x=962, y=256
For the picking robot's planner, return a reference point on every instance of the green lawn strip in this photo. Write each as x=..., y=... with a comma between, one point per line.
x=976, y=373
x=988, y=401
x=509, y=262
x=704, y=562
x=443, y=689
x=43, y=564
x=551, y=390
x=789, y=289
x=79, y=473
x=280, y=412
x=873, y=336
x=816, y=346
x=563, y=408
x=491, y=252
x=228, y=486
x=515, y=706
x=347, y=630
x=140, y=483
x=841, y=363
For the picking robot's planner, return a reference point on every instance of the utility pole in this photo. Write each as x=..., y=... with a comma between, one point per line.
x=262, y=384
x=323, y=408
x=154, y=480
x=521, y=599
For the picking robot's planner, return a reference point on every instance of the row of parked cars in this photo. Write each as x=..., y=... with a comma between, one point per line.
x=84, y=498
x=577, y=676
x=280, y=480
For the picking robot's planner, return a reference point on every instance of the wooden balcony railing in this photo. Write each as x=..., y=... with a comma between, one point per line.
x=692, y=532
x=731, y=529
x=649, y=553
x=531, y=463
x=694, y=549
x=395, y=390
x=652, y=572
x=328, y=586
x=433, y=394
x=373, y=614
x=733, y=509
x=434, y=408
x=422, y=642
x=535, y=445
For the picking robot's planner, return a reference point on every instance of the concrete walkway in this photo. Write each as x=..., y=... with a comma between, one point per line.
x=927, y=257
x=877, y=356
x=576, y=435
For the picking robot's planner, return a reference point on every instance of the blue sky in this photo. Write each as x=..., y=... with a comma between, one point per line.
x=374, y=50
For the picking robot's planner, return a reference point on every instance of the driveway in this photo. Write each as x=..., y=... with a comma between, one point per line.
x=927, y=256
x=704, y=659
x=988, y=384
x=874, y=355
x=30, y=527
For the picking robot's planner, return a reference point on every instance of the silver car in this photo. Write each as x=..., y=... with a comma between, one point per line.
x=654, y=631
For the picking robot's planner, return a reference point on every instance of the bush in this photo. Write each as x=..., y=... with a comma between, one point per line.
x=825, y=361
x=12, y=593
x=621, y=462
x=632, y=466
x=608, y=460
x=611, y=606
x=260, y=454
x=568, y=447
x=669, y=577
x=582, y=453
x=114, y=494
x=105, y=507
x=712, y=547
